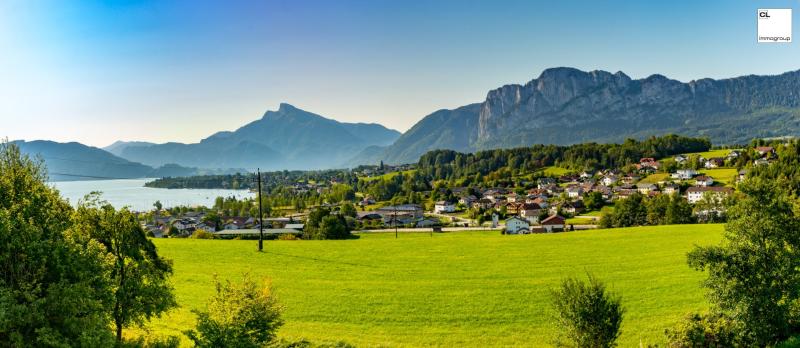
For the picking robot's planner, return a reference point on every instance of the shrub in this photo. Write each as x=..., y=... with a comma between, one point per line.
x=703, y=330
x=586, y=314
x=202, y=234
x=303, y=343
x=287, y=236
x=240, y=314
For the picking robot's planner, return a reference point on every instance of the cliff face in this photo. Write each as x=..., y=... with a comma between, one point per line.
x=566, y=105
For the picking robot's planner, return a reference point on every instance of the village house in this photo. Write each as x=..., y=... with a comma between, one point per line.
x=530, y=212
x=516, y=225
x=680, y=159
x=574, y=191
x=646, y=188
x=695, y=194
x=609, y=180
x=761, y=162
x=572, y=208
x=553, y=223
x=670, y=189
x=765, y=150
x=511, y=197
x=483, y=203
x=630, y=179
x=733, y=154
x=467, y=200
x=703, y=181
x=648, y=162
x=715, y=162
x=684, y=174
x=444, y=207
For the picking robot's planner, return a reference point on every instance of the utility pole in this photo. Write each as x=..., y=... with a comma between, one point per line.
x=260, y=216
x=395, y=221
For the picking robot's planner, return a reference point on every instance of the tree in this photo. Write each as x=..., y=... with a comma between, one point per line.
x=157, y=205
x=139, y=276
x=239, y=315
x=53, y=287
x=348, y=209
x=679, y=211
x=628, y=212
x=754, y=275
x=593, y=200
x=586, y=314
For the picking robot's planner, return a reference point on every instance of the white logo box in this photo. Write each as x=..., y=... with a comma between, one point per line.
x=774, y=25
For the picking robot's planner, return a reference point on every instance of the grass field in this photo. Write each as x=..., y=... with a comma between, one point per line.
x=713, y=153
x=555, y=171
x=454, y=289
x=582, y=221
x=655, y=178
x=387, y=175
x=722, y=175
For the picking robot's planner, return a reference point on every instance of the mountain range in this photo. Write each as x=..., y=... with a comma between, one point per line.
x=561, y=106
x=566, y=106
x=75, y=161
x=288, y=138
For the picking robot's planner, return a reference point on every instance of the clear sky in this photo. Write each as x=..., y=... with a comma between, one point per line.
x=100, y=71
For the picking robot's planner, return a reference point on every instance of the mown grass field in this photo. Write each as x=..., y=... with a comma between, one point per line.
x=725, y=176
x=387, y=175
x=655, y=178
x=470, y=289
x=555, y=171
x=713, y=153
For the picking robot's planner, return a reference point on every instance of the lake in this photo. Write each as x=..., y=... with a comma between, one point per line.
x=132, y=193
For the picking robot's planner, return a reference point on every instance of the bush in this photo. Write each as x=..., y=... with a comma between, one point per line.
x=202, y=234
x=709, y=330
x=239, y=315
x=287, y=236
x=303, y=343
x=586, y=314
x=151, y=342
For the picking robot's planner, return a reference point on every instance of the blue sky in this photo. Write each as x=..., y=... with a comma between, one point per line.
x=99, y=71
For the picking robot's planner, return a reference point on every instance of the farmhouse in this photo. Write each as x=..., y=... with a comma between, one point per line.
x=704, y=181
x=574, y=191
x=553, y=223
x=646, y=188
x=765, y=150
x=684, y=174
x=515, y=225
x=695, y=194
x=671, y=188
x=530, y=212
x=444, y=207
x=715, y=162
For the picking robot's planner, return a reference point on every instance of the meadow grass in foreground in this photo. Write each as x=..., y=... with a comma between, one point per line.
x=452, y=289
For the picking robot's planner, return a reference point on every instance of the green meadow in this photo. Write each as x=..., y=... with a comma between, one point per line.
x=471, y=289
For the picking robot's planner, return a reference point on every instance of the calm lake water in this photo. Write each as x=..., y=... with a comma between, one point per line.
x=132, y=193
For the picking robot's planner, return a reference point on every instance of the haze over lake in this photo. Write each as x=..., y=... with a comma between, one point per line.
x=132, y=193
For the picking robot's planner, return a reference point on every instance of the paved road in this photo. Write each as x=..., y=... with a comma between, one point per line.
x=456, y=229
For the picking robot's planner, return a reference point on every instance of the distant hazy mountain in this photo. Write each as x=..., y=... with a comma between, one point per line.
x=75, y=161
x=567, y=106
x=443, y=129
x=289, y=138
x=117, y=147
